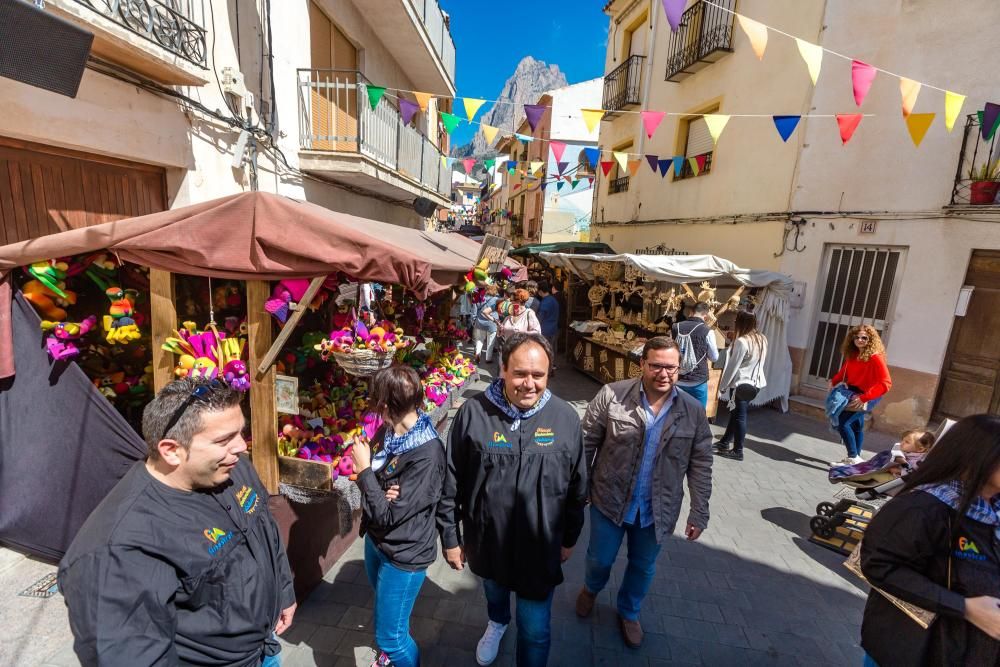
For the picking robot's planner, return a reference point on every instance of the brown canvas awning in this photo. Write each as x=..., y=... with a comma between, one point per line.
x=254, y=236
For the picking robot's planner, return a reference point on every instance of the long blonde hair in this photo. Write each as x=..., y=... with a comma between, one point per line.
x=874, y=346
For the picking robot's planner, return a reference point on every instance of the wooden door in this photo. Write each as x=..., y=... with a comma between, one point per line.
x=45, y=190
x=970, y=377
x=333, y=85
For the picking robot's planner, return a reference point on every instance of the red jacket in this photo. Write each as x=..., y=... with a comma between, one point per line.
x=871, y=377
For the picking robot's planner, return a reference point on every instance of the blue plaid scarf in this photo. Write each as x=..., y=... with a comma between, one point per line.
x=392, y=445
x=950, y=494
x=497, y=397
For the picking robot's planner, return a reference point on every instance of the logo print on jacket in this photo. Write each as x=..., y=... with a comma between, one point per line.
x=218, y=538
x=247, y=498
x=499, y=440
x=968, y=550
x=544, y=437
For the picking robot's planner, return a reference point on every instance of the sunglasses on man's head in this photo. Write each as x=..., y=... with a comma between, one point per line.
x=199, y=393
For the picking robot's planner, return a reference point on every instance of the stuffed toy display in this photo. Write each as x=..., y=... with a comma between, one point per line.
x=62, y=342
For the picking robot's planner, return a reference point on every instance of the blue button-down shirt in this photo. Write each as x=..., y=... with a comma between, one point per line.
x=640, y=510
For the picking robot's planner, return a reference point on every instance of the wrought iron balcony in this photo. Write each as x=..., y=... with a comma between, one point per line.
x=618, y=185
x=174, y=25
x=623, y=86
x=704, y=36
x=977, y=178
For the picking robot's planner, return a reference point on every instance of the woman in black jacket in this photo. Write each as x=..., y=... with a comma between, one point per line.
x=937, y=546
x=401, y=541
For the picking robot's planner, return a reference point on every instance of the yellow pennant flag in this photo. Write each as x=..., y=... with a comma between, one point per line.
x=917, y=124
x=694, y=166
x=756, y=33
x=472, y=106
x=423, y=99
x=952, y=107
x=592, y=117
x=909, y=89
x=633, y=166
x=489, y=133
x=622, y=159
x=444, y=161
x=536, y=165
x=813, y=55
x=716, y=124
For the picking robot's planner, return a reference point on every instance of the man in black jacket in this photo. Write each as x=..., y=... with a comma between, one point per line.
x=182, y=564
x=517, y=483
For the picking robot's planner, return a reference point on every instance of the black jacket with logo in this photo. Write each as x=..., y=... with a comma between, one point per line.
x=158, y=576
x=404, y=529
x=519, y=495
x=905, y=552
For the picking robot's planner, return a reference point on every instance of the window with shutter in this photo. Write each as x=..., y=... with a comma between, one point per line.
x=699, y=142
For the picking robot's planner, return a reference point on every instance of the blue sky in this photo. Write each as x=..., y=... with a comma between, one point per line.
x=492, y=38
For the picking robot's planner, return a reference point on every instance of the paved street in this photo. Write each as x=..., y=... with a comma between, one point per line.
x=753, y=590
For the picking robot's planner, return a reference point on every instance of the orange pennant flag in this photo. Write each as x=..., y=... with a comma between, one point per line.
x=918, y=124
x=423, y=99
x=633, y=166
x=848, y=123
x=908, y=89
x=756, y=33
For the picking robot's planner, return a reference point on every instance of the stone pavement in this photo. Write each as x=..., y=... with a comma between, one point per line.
x=752, y=590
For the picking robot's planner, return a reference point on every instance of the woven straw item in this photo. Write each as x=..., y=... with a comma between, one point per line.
x=363, y=363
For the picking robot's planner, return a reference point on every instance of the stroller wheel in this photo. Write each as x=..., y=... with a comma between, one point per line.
x=824, y=509
x=820, y=526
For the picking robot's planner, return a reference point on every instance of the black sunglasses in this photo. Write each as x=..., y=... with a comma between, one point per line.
x=199, y=393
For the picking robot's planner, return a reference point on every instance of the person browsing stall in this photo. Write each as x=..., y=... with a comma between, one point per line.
x=697, y=333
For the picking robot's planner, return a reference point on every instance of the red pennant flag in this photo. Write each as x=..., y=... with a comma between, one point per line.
x=606, y=166
x=469, y=163
x=558, y=148
x=701, y=162
x=848, y=123
x=516, y=186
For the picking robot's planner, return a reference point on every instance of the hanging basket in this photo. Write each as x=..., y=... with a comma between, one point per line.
x=363, y=363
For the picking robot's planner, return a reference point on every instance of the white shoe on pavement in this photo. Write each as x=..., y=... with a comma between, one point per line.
x=856, y=460
x=846, y=461
x=489, y=645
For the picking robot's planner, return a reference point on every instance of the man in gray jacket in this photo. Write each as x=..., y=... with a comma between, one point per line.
x=641, y=438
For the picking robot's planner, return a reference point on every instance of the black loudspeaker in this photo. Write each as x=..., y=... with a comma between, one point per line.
x=424, y=207
x=40, y=49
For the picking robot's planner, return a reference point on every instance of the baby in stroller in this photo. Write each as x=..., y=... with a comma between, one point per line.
x=887, y=465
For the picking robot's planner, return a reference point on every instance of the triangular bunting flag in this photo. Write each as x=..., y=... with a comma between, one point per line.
x=489, y=133
x=695, y=167
x=917, y=124
x=591, y=117
x=423, y=99
x=559, y=186
x=665, y=167
x=562, y=166
x=488, y=163
x=524, y=138
x=606, y=166
x=375, y=94
x=450, y=121
x=678, y=162
x=472, y=106
x=909, y=90
x=786, y=125
x=534, y=113
x=593, y=155
x=516, y=186
x=558, y=148
x=451, y=161
x=444, y=161
x=989, y=118
x=653, y=161
x=633, y=166
x=813, y=55
x=716, y=124
x=952, y=107
x=573, y=184
x=651, y=120
x=536, y=165
x=407, y=110
x=674, y=10
x=568, y=179
x=848, y=123
x=701, y=160
x=621, y=158
x=756, y=33
x=511, y=164
x=862, y=76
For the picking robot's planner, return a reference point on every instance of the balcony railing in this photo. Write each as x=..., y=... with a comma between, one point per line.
x=618, y=185
x=334, y=115
x=439, y=32
x=704, y=36
x=623, y=86
x=175, y=25
x=687, y=171
x=974, y=182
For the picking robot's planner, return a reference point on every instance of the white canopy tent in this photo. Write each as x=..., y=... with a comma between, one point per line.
x=772, y=311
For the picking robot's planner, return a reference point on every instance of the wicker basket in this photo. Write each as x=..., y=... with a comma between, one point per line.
x=363, y=363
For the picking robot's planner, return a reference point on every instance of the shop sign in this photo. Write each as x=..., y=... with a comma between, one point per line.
x=495, y=249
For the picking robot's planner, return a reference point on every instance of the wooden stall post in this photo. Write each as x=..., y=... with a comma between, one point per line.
x=163, y=313
x=263, y=411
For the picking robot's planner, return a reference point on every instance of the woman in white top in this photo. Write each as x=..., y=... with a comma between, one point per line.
x=742, y=378
x=516, y=317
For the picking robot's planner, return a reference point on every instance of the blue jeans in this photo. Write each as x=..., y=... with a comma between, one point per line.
x=534, y=621
x=605, y=541
x=851, y=428
x=699, y=391
x=869, y=662
x=736, y=429
x=271, y=661
x=395, y=592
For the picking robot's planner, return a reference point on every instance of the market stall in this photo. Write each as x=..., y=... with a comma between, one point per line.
x=636, y=297
x=239, y=287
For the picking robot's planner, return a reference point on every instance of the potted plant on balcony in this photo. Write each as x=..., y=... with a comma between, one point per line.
x=985, y=182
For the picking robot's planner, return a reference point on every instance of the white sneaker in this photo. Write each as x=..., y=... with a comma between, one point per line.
x=489, y=645
x=846, y=461
x=856, y=460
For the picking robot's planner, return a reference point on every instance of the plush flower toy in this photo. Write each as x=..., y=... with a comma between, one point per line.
x=62, y=342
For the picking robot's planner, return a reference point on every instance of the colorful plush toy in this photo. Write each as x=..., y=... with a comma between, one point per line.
x=283, y=294
x=46, y=301
x=61, y=343
x=236, y=375
x=51, y=273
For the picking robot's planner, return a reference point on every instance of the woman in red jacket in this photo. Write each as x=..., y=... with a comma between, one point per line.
x=866, y=374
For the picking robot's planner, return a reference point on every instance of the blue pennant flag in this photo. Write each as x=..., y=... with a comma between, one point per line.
x=664, y=167
x=786, y=125
x=593, y=155
x=678, y=165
